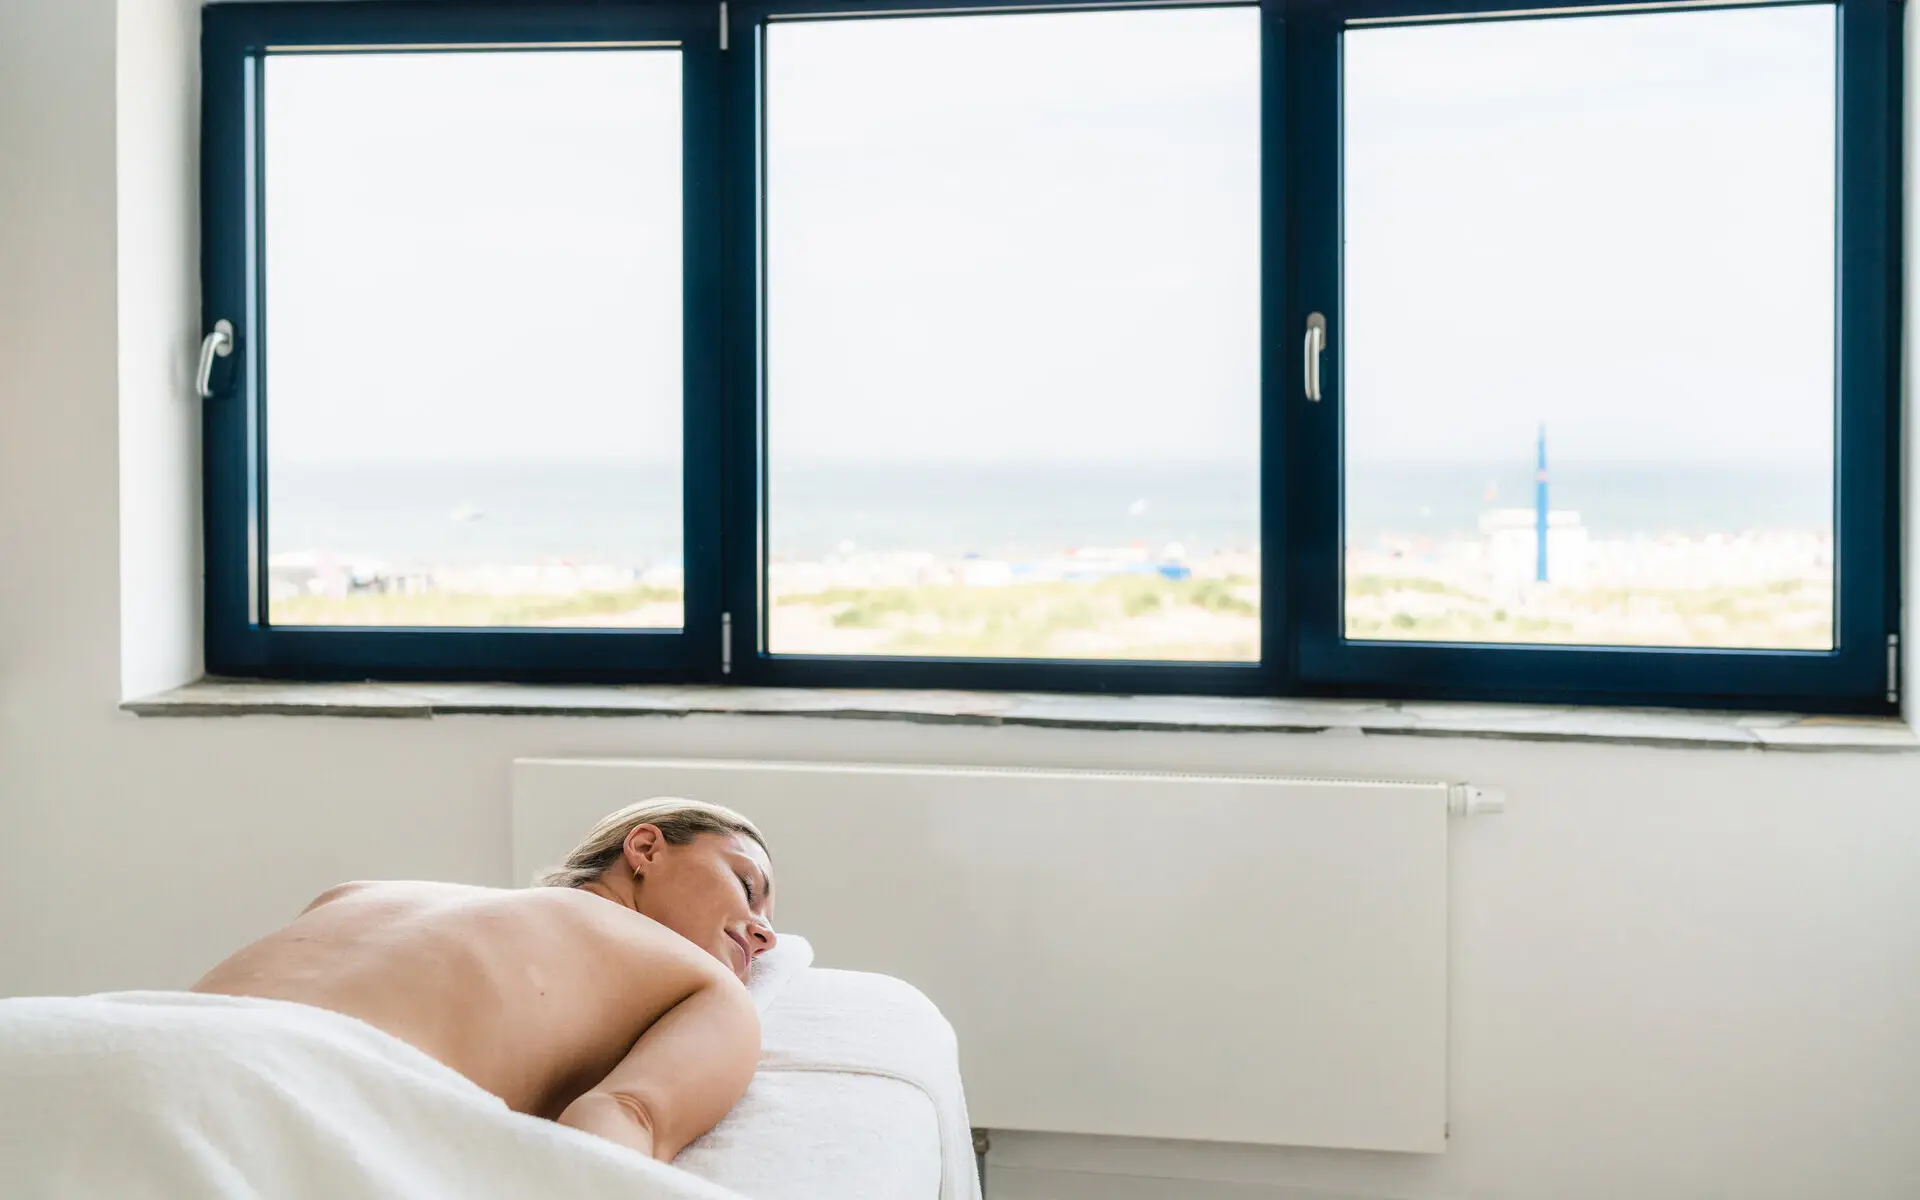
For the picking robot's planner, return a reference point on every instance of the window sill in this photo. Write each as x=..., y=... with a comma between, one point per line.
x=1191, y=714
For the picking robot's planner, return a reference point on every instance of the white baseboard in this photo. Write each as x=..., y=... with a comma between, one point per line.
x=1032, y=1183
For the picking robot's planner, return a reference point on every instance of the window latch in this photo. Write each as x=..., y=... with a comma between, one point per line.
x=1316, y=342
x=218, y=344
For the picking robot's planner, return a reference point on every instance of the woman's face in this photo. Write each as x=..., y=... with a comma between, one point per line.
x=716, y=891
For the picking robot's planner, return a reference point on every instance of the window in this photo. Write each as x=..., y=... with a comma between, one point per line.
x=1013, y=318
x=1501, y=237
x=1309, y=347
x=473, y=404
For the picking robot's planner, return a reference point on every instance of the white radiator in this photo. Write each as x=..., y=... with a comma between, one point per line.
x=1200, y=957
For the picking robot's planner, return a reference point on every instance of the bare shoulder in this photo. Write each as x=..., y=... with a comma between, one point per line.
x=398, y=890
x=546, y=916
x=637, y=939
x=340, y=891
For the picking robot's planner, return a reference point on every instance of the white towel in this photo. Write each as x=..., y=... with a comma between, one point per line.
x=882, y=1027
x=167, y=1095
x=774, y=970
x=857, y=1097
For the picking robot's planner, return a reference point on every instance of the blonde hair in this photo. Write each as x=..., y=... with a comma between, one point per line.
x=679, y=821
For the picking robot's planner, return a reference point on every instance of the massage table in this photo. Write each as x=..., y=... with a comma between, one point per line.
x=857, y=1096
x=163, y=1095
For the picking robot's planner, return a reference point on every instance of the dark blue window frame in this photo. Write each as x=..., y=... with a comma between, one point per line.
x=1304, y=651
x=236, y=40
x=1858, y=674
x=750, y=400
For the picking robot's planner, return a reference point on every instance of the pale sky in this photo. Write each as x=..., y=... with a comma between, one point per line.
x=1622, y=226
x=1037, y=236
x=1031, y=236
x=474, y=256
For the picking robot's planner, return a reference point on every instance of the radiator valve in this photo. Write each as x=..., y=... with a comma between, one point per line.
x=1466, y=800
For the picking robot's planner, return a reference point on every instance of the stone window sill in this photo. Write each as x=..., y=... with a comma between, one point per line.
x=1192, y=714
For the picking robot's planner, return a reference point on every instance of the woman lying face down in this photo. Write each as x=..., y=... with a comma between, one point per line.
x=610, y=999
x=702, y=872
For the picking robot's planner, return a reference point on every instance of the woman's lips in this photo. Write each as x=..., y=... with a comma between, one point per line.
x=746, y=956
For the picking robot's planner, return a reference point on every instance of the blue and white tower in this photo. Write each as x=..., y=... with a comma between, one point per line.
x=1540, y=509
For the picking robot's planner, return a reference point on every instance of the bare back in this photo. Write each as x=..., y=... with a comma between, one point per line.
x=534, y=995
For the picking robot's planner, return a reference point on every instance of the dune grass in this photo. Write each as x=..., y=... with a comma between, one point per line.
x=1791, y=614
x=1141, y=617
x=1146, y=617
x=467, y=609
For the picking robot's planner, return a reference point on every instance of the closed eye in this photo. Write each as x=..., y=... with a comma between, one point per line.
x=748, y=888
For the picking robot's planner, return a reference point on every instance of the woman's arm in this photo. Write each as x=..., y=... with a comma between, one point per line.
x=681, y=1077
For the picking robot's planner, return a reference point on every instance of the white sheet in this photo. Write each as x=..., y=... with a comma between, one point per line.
x=774, y=970
x=172, y=1095
x=858, y=1097
x=156, y=1094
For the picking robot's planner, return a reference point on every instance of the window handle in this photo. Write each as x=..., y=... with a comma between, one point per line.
x=218, y=344
x=1316, y=342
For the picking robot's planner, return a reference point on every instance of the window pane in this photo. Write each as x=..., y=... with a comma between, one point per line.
x=1606, y=243
x=1013, y=392
x=473, y=290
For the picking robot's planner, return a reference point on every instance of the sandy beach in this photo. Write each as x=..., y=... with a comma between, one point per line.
x=1754, y=590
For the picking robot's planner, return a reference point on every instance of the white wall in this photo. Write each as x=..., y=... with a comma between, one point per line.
x=158, y=151
x=1677, y=973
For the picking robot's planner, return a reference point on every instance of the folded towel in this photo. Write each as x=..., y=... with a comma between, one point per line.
x=879, y=1026
x=166, y=1094
x=857, y=1097
x=774, y=970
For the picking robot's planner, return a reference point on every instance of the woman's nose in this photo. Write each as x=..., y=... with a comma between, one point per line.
x=764, y=938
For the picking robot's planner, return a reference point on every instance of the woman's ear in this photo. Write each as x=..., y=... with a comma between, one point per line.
x=642, y=846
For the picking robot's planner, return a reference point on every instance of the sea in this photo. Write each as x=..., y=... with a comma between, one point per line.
x=629, y=513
